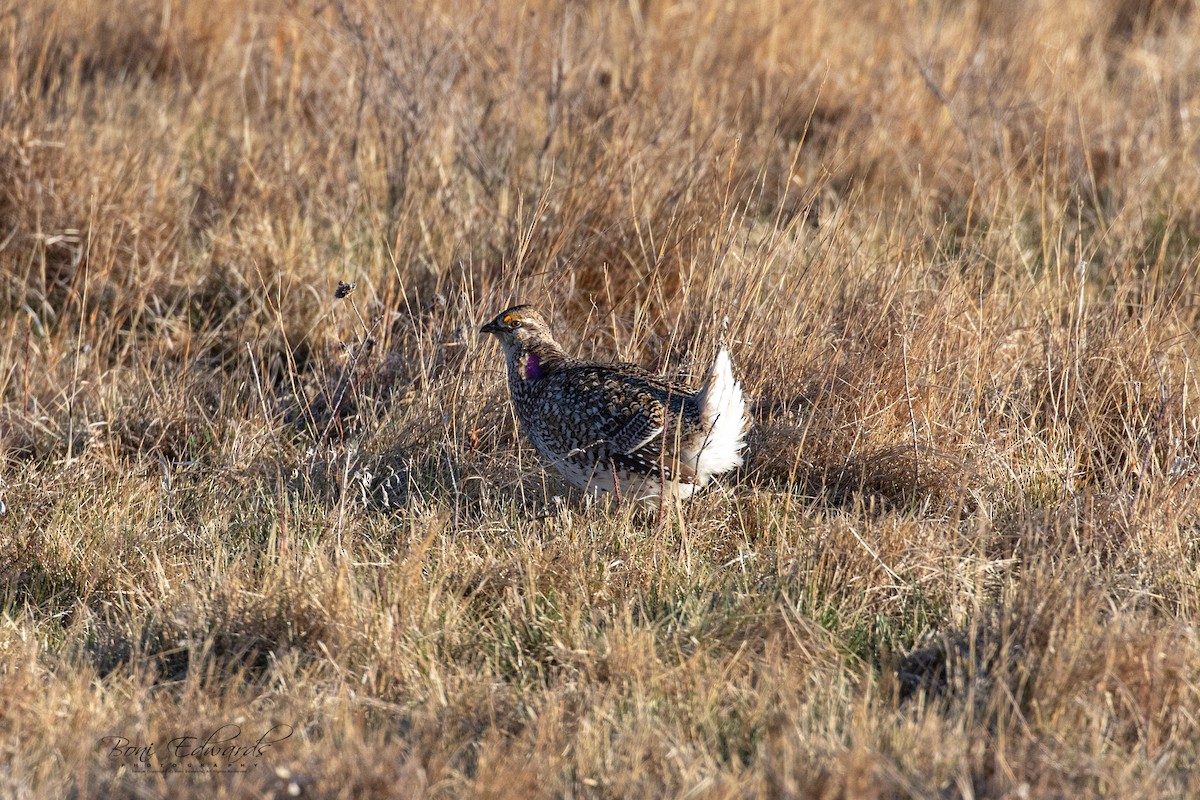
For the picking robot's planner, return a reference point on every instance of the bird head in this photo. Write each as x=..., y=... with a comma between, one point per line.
x=529, y=347
x=519, y=328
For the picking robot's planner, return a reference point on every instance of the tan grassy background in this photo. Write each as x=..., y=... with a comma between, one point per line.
x=956, y=247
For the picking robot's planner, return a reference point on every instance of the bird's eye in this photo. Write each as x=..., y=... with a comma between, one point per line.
x=512, y=321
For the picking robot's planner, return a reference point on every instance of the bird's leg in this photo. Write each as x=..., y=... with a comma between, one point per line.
x=616, y=483
x=685, y=543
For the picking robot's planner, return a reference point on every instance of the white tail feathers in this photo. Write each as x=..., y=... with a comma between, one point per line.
x=723, y=414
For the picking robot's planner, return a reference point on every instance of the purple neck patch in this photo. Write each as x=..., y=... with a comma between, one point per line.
x=532, y=369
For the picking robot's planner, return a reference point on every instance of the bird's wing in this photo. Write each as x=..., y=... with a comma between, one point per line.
x=634, y=431
x=622, y=412
x=637, y=433
x=638, y=421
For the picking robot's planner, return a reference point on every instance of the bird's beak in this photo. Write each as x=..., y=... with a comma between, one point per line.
x=490, y=328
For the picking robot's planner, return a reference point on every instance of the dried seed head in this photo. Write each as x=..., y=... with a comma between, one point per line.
x=343, y=289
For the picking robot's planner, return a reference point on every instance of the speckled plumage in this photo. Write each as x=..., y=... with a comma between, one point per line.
x=617, y=427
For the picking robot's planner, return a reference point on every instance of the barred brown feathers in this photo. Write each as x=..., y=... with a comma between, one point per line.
x=617, y=427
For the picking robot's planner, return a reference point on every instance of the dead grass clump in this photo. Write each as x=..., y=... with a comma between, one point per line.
x=1116, y=398
x=950, y=247
x=178, y=427
x=96, y=43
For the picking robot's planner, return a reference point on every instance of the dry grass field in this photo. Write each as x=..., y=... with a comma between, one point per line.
x=953, y=245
